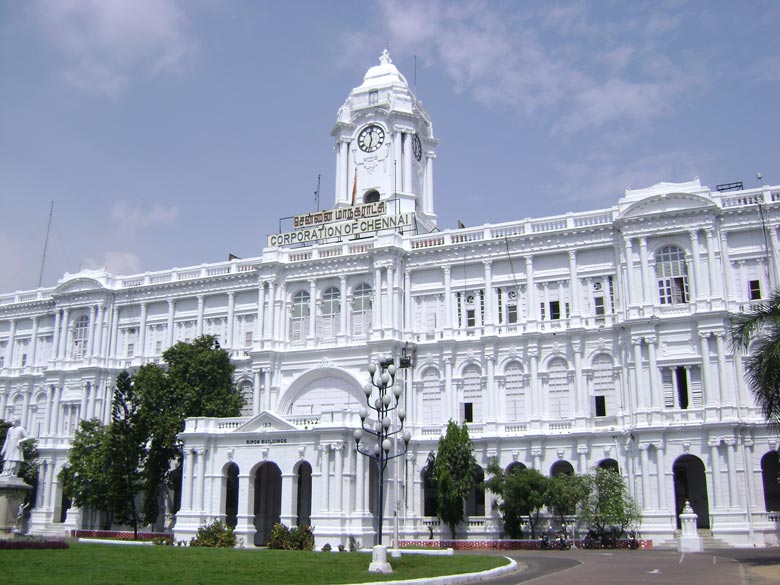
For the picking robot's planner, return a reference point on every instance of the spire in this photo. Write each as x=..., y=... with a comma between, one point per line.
x=384, y=58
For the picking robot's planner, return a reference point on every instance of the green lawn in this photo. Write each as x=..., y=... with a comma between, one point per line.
x=84, y=564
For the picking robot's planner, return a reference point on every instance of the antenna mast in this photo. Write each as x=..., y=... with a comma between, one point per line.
x=317, y=193
x=45, y=244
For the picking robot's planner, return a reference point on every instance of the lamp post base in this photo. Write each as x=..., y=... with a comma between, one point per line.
x=379, y=562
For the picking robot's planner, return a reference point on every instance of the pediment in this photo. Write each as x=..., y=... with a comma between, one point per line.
x=667, y=203
x=265, y=422
x=80, y=284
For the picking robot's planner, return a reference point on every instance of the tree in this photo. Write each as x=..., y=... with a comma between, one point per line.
x=85, y=476
x=198, y=381
x=564, y=493
x=523, y=494
x=609, y=508
x=761, y=325
x=455, y=470
x=127, y=452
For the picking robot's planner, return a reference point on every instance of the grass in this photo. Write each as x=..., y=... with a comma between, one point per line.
x=86, y=564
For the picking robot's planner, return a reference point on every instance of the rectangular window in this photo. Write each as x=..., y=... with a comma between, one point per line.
x=601, y=405
x=468, y=412
x=555, y=310
x=248, y=339
x=682, y=387
x=598, y=305
x=130, y=349
x=542, y=311
x=157, y=347
x=755, y=290
x=511, y=313
x=471, y=318
x=24, y=360
x=373, y=97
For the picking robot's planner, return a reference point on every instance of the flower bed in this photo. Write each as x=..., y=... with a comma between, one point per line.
x=119, y=534
x=503, y=544
x=21, y=543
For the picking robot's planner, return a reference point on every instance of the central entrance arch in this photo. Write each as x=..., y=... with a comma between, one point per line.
x=268, y=500
x=690, y=483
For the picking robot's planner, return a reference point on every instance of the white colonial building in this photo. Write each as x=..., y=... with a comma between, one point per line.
x=568, y=342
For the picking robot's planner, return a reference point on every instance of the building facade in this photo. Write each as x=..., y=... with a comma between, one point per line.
x=569, y=342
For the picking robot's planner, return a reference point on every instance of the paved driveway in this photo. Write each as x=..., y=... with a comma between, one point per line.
x=623, y=567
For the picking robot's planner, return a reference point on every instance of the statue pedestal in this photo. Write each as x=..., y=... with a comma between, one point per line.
x=690, y=541
x=12, y=493
x=379, y=562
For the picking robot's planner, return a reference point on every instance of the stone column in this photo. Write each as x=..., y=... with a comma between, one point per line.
x=580, y=391
x=188, y=480
x=490, y=312
x=202, y=479
x=630, y=288
x=712, y=267
x=231, y=343
x=268, y=320
x=428, y=201
x=260, y=316
x=644, y=298
x=582, y=452
x=531, y=290
x=325, y=478
x=398, y=183
x=731, y=447
x=170, y=324
x=645, y=475
x=55, y=339
x=695, y=282
x=91, y=332
x=407, y=300
x=255, y=392
x=725, y=394
x=534, y=390
x=342, y=172
x=141, y=349
x=114, y=334
x=344, y=307
x=201, y=304
x=407, y=158
x=391, y=317
x=34, y=341
x=575, y=293
x=494, y=407
x=451, y=403
x=715, y=459
x=656, y=398
x=64, y=333
x=641, y=397
x=725, y=265
x=706, y=381
x=447, y=300
x=360, y=483
x=378, y=319
x=101, y=316
x=338, y=453
x=659, y=453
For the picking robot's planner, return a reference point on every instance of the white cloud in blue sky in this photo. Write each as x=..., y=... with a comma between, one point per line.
x=170, y=133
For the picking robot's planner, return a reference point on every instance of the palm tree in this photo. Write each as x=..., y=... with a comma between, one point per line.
x=761, y=326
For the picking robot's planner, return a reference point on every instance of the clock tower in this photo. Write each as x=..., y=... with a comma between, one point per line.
x=385, y=146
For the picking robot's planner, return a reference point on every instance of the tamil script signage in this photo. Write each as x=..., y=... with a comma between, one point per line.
x=362, y=219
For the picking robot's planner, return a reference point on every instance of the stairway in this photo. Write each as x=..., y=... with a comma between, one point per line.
x=708, y=540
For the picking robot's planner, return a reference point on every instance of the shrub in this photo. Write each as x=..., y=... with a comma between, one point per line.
x=215, y=534
x=163, y=540
x=327, y=547
x=295, y=538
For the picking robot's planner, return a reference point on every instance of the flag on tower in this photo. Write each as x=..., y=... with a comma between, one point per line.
x=354, y=189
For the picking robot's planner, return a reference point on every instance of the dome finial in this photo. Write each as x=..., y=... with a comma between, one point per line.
x=384, y=58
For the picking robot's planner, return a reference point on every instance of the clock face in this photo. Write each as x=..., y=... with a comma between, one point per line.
x=416, y=147
x=371, y=138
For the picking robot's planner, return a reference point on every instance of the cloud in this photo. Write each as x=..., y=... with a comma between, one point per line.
x=571, y=58
x=117, y=263
x=131, y=216
x=105, y=44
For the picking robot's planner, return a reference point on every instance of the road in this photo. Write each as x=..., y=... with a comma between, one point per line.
x=623, y=567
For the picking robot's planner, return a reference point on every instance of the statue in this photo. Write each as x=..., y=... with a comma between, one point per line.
x=13, y=457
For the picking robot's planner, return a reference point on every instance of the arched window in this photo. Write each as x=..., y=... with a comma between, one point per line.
x=80, y=335
x=603, y=386
x=558, y=386
x=560, y=467
x=475, y=504
x=770, y=468
x=361, y=310
x=472, y=394
x=431, y=397
x=299, y=317
x=514, y=467
x=329, y=322
x=371, y=197
x=515, y=392
x=672, y=274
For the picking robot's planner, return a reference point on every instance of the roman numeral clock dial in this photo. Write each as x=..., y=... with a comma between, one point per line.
x=371, y=138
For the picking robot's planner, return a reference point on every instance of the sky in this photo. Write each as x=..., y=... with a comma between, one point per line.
x=170, y=133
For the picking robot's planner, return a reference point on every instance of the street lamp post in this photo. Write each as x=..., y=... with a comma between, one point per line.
x=382, y=397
